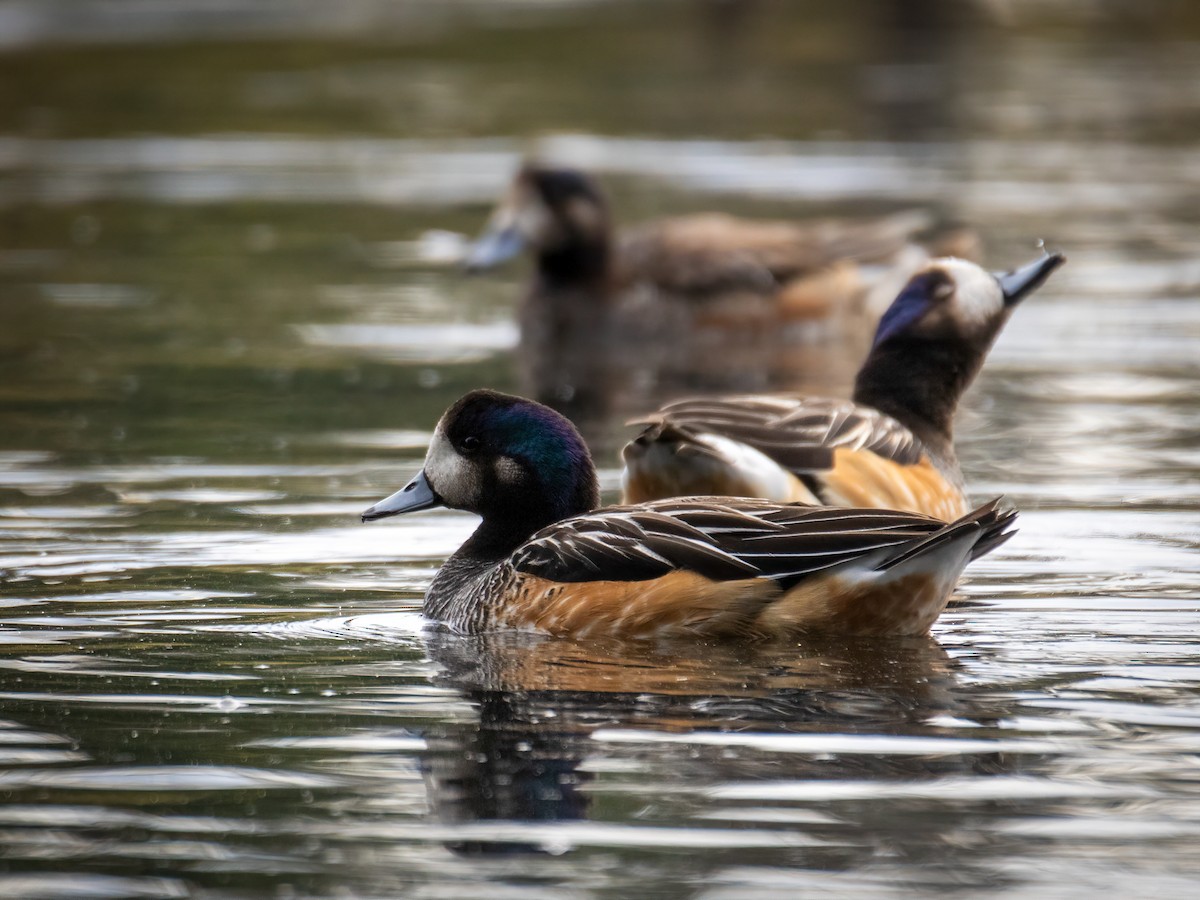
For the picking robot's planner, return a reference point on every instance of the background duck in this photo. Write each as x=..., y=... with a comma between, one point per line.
x=545, y=559
x=699, y=302
x=808, y=270
x=891, y=446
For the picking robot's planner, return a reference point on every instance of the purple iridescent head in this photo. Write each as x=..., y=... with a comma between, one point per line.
x=504, y=457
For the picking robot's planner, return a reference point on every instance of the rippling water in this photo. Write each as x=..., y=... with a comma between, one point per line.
x=229, y=318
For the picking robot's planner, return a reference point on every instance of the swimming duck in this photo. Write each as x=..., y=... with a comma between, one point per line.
x=614, y=322
x=807, y=270
x=891, y=446
x=544, y=558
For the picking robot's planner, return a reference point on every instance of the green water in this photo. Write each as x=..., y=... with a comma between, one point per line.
x=229, y=321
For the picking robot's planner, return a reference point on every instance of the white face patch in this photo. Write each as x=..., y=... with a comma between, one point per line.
x=508, y=471
x=522, y=211
x=978, y=299
x=451, y=477
x=586, y=216
x=534, y=222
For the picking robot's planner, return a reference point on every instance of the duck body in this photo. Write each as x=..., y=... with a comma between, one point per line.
x=790, y=449
x=563, y=217
x=545, y=559
x=890, y=446
x=718, y=567
x=613, y=320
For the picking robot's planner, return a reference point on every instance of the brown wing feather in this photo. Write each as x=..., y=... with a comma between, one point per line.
x=799, y=433
x=720, y=538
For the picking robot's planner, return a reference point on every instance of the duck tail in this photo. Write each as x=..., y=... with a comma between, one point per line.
x=988, y=523
x=899, y=595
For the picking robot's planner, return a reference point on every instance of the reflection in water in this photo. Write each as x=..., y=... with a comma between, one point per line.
x=571, y=359
x=506, y=766
x=542, y=704
x=912, y=672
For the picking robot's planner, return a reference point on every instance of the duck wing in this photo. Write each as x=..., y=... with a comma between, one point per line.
x=721, y=539
x=798, y=433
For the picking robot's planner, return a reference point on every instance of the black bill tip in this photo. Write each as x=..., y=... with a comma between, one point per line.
x=1020, y=283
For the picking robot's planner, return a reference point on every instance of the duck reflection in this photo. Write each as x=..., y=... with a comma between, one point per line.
x=541, y=701
x=514, y=766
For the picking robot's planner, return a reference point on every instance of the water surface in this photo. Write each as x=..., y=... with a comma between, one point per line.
x=229, y=320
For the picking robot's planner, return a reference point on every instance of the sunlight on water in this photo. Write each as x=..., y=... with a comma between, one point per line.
x=417, y=343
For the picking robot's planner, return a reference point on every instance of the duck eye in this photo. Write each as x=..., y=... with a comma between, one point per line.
x=470, y=444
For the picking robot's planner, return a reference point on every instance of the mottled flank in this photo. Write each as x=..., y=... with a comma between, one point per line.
x=717, y=252
x=684, y=604
x=860, y=478
x=838, y=288
x=908, y=605
x=680, y=603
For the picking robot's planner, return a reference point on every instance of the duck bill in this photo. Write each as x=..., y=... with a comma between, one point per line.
x=417, y=494
x=1020, y=283
x=494, y=246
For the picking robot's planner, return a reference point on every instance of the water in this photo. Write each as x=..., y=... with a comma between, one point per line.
x=228, y=322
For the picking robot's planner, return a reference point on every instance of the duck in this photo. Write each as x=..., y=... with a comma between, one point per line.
x=614, y=321
x=547, y=558
x=891, y=446
x=806, y=270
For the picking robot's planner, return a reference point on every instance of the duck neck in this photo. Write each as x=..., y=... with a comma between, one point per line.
x=580, y=261
x=452, y=590
x=919, y=384
x=506, y=526
x=495, y=539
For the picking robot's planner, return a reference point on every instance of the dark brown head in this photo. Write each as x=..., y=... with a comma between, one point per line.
x=559, y=214
x=957, y=301
x=933, y=339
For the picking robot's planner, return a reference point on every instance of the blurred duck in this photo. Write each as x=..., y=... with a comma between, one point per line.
x=545, y=559
x=613, y=323
x=890, y=447
x=806, y=271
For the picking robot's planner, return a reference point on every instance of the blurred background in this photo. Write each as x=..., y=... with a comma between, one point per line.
x=231, y=312
x=222, y=212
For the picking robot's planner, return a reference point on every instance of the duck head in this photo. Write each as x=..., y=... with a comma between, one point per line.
x=933, y=339
x=518, y=464
x=559, y=214
x=955, y=300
